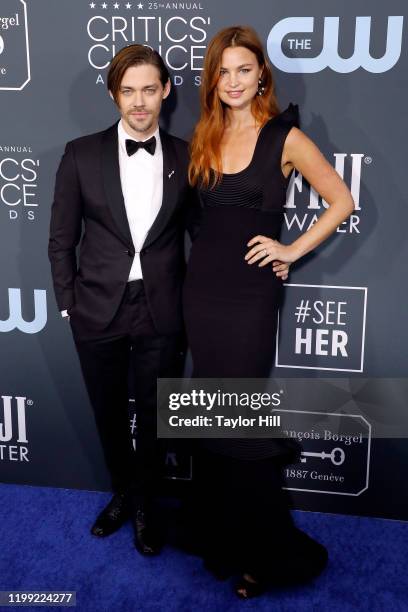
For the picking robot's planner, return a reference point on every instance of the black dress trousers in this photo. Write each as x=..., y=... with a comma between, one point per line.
x=129, y=347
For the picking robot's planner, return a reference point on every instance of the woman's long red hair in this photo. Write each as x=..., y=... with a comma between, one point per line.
x=205, y=151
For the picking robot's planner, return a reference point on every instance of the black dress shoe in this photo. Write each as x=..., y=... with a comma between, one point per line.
x=113, y=516
x=148, y=538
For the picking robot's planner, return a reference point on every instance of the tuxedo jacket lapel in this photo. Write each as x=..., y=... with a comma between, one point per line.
x=112, y=184
x=170, y=191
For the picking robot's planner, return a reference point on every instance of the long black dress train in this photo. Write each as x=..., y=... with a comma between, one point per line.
x=230, y=309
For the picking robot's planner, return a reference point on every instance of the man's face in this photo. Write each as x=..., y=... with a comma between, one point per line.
x=140, y=98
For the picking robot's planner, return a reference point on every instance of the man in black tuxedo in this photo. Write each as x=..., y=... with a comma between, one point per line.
x=123, y=194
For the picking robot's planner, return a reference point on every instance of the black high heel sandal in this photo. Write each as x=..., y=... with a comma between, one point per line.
x=245, y=589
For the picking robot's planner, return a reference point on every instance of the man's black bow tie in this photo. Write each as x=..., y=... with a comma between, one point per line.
x=133, y=145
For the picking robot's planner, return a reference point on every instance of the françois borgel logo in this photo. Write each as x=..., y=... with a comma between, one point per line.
x=13, y=429
x=291, y=50
x=15, y=318
x=322, y=327
x=14, y=45
x=336, y=451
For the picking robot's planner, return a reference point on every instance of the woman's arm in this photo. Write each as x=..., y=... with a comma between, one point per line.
x=301, y=153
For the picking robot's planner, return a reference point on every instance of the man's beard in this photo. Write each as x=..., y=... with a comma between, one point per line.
x=140, y=128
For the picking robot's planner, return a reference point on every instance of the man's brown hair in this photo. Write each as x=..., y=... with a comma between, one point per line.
x=134, y=55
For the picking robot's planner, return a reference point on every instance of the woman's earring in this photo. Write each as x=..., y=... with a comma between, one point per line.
x=261, y=88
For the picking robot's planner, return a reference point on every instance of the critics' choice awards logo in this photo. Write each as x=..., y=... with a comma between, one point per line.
x=14, y=46
x=179, y=38
x=19, y=174
x=13, y=429
x=322, y=327
x=15, y=318
x=302, y=195
x=291, y=51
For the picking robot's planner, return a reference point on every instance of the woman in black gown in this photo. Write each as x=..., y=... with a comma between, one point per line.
x=242, y=154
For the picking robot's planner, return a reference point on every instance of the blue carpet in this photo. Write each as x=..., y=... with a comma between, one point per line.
x=46, y=545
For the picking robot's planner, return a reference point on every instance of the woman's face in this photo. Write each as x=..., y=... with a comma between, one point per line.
x=239, y=76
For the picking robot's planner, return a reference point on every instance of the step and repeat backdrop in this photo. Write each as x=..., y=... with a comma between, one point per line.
x=342, y=337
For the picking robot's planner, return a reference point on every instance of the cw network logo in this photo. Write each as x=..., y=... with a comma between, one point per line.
x=329, y=55
x=16, y=321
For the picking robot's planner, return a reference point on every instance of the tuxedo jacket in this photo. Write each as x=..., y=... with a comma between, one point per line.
x=89, y=212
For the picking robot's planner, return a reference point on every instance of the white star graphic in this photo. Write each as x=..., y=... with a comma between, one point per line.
x=104, y=5
x=92, y=5
x=140, y=5
x=128, y=5
x=116, y=5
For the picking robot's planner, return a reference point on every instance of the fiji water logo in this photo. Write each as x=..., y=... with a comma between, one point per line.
x=329, y=55
x=7, y=432
x=15, y=319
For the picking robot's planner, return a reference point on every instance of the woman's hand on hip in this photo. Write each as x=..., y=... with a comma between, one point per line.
x=266, y=250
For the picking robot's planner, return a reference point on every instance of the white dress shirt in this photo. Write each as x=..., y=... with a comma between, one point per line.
x=141, y=176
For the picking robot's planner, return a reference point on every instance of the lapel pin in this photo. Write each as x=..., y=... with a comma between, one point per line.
x=171, y=173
